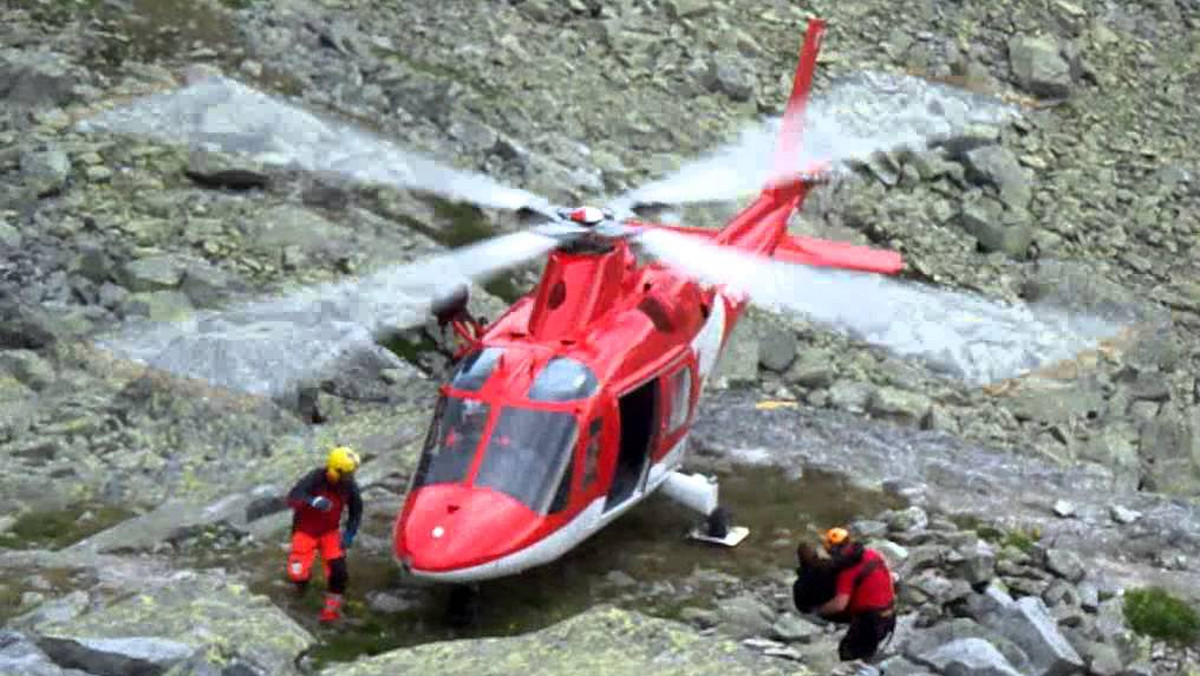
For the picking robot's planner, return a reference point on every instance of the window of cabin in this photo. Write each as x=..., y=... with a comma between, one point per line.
x=681, y=398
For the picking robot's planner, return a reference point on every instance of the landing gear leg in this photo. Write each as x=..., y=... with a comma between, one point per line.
x=463, y=608
x=699, y=493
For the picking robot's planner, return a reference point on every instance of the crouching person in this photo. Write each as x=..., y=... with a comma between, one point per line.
x=864, y=596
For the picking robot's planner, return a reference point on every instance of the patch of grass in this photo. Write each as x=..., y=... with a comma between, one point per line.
x=1153, y=612
x=59, y=528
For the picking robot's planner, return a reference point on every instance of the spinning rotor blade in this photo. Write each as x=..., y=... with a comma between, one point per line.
x=858, y=116
x=223, y=114
x=970, y=336
x=266, y=347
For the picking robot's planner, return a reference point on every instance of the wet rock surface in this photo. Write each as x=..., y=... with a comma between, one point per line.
x=1089, y=201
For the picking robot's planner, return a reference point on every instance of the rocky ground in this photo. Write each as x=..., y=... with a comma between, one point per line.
x=139, y=512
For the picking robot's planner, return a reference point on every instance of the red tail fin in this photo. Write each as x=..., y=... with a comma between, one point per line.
x=793, y=116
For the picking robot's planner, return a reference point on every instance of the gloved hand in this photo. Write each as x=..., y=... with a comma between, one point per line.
x=348, y=539
x=321, y=503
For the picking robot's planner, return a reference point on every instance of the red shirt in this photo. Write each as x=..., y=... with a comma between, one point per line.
x=874, y=592
x=314, y=522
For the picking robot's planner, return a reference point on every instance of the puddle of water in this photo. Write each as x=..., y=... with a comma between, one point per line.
x=647, y=544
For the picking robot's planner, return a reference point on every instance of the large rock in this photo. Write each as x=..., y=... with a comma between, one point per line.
x=296, y=229
x=969, y=657
x=219, y=170
x=996, y=229
x=199, y=612
x=899, y=405
x=1038, y=66
x=997, y=166
x=35, y=78
x=1028, y=624
x=27, y=367
x=19, y=656
x=746, y=616
x=603, y=640
x=45, y=172
x=152, y=274
x=732, y=76
x=116, y=656
x=1170, y=447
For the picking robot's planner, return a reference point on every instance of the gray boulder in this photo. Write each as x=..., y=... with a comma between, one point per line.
x=600, y=640
x=1028, y=624
x=165, y=625
x=1038, y=66
x=998, y=167
x=969, y=657
x=20, y=656
x=45, y=172
x=35, y=78
x=116, y=656
x=746, y=616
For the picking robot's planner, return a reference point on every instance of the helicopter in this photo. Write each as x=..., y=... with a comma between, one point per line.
x=576, y=403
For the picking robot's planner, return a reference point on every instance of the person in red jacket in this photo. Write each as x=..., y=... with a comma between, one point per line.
x=864, y=596
x=317, y=501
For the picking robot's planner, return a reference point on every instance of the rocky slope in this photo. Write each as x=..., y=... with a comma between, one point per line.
x=1090, y=200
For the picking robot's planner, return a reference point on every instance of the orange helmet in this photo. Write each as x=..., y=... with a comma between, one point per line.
x=835, y=537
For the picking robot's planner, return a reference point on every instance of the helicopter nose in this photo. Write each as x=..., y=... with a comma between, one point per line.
x=449, y=527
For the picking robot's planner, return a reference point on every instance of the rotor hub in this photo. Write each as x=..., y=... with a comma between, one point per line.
x=588, y=216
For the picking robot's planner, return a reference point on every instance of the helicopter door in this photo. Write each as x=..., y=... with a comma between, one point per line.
x=638, y=412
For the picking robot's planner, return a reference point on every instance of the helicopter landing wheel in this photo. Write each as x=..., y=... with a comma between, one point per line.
x=463, y=606
x=718, y=529
x=718, y=524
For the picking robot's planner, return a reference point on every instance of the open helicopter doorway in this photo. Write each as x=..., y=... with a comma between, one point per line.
x=639, y=420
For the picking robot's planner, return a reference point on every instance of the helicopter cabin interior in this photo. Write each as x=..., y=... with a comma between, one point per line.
x=642, y=430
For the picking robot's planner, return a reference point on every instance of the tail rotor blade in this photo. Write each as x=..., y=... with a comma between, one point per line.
x=266, y=347
x=969, y=336
x=223, y=114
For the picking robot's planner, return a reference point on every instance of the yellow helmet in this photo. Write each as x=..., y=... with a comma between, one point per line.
x=341, y=462
x=835, y=537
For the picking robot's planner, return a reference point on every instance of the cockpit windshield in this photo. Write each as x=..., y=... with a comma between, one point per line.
x=475, y=369
x=454, y=435
x=529, y=455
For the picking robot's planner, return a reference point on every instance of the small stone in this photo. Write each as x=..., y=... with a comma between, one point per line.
x=1066, y=564
x=1122, y=515
x=776, y=349
x=792, y=629
x=99, y=174
x=1064, y=508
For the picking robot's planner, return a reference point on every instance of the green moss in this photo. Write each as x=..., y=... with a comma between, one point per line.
x=59, y=528
x=1022, y=540
x=1154, y=612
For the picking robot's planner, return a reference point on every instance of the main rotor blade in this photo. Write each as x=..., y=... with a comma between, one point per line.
x=969, y=336
x=223, y=114
x=859, y=115
x=266, y=347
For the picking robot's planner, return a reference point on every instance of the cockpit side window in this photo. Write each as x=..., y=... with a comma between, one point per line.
x=454, y=435
x=563, y=379
x=475, y=369
x=527, y=454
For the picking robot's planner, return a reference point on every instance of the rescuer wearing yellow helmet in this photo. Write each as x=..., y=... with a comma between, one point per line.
x=317, y=501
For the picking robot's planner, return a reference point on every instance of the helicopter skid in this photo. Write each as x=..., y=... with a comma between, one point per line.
x=732, y=539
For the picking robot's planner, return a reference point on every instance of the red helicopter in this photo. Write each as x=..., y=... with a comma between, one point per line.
x=575, y=405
